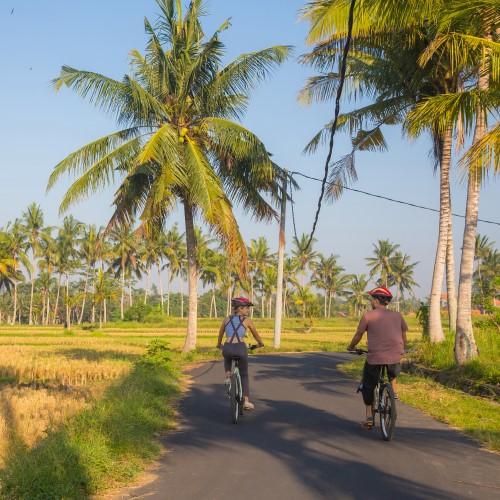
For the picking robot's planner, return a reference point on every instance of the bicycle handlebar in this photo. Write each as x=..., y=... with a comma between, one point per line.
x=254, y=346
x=359, y=352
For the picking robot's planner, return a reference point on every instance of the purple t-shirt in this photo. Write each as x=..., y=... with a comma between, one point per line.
x=385, y=336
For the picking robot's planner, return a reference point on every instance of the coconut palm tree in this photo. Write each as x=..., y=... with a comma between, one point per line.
x=381, y=263
x=174, y=251
x=387, y=66
x=304, y=254
x=180, y=143
x=17, y=245
x=33, y=224
x=48, y=265
x=402, y=275
x=9, y=274
x=125, y=256
x=259, y=259
x=358, y=298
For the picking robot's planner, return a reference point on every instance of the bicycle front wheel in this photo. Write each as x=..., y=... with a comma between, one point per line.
x=234, y=398
x=388, y=414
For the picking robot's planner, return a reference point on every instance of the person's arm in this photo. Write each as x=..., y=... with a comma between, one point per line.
x=404, y=329
x=222, y=329
x=362, y=327
x=249, y=324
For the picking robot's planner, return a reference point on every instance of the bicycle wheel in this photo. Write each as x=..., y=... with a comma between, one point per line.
x=388, y=414
x=234, y=398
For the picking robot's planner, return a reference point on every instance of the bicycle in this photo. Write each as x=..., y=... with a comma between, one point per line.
x=235, y=389
x=384, y=401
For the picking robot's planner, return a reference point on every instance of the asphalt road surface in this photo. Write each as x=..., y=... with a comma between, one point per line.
x=304, y=441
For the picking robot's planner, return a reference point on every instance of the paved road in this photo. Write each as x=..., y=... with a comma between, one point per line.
x=304, y=441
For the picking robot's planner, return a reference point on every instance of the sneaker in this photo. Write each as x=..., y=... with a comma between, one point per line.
x=248, y=406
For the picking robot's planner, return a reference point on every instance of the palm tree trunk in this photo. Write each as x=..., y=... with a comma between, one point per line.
x=56, y=306
x=450, y=280
x=148, y=285
x=263, y=306
x=122, y=298
x=80, y=319
x=465, y=344
x=68, y=310
x=215, y=304
x=435, y=326
x=47, y=309
x=330, y=296
x=14, y=312
x=130, y=299
x=325, y=304
x=182, y=297
x=32, y=293
x=169, y=279
x=105, y=311
x=190, y=342
x=160, y=284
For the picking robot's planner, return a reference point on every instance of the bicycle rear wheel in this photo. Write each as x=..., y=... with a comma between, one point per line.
x=388, y=414
x=234, y=399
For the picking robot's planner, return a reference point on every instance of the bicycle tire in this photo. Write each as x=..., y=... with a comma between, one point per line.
x=234, y=399
x=388, y=412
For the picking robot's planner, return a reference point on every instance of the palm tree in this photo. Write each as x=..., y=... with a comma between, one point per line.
x=17, y=247
x=89, y=253
x=387, y=65
x=381, y=263
x=259, y=259
x=402, y=275
x=104, y=290
x=9, y=274
x=358, y=298
x=483, y=248
x=289, y=279
x=124, y=249
x=48, y=265
x=180, y=143
x=303, y=253
x=33, y=225
x=174, y=251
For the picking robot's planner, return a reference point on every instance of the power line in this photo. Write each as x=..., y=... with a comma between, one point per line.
x=333, y=130
x=393, y=200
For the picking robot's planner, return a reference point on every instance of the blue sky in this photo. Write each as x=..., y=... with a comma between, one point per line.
x=40, y=127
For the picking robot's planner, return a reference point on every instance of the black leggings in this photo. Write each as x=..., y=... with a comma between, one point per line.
x=371, y=375
x=237, y=350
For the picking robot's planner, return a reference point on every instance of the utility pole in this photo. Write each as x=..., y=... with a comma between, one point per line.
x=281, y=259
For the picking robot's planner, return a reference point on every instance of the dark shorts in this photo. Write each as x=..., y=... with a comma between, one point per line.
x=371, y=374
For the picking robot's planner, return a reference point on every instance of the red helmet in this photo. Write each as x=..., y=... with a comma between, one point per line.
x=241, y=302
x=381, y=291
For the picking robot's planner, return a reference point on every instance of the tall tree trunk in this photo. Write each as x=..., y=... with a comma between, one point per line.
x=465, y=343
x=105, y=311
x=263, y=306
x=215, y=304
x=68, y=309
x=160, y=285
x=100, y=315
x=148, y=285
x=47, y=309
x=130, y=299
x=190, y=342
x=122, y=298
x=182, y=296
x=32, y=292
x=169, y=280
x=450, y=280
x=436, y=333
x=80, y=319
x=14, y=312
x=326, y=304
x=56, y=306
x=330, y=296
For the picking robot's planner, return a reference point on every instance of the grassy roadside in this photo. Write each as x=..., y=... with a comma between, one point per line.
x=103, y=446
x=477, y=417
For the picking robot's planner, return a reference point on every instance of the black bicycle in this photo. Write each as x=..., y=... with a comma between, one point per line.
x=384, y=401
x=235, y=389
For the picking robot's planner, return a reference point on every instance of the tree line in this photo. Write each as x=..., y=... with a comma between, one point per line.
x=78, y=273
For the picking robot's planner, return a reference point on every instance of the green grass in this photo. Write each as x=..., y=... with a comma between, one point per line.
x=485, y=369
x=106, y=445
x=477, y=417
